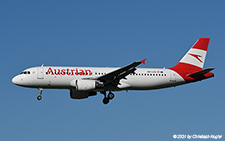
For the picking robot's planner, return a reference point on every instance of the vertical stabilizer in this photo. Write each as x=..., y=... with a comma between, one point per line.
x=194, y=59
x=191, y=65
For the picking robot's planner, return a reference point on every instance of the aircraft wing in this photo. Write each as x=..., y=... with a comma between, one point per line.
x=115, y=76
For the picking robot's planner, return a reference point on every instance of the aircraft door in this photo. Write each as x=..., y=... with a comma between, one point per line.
x=40, y=72
x=172, y=76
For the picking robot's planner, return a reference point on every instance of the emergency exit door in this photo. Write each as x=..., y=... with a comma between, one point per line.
x=172, y=76
x=40, y=72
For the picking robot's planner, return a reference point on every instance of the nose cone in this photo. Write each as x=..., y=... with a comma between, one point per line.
x=15, y=80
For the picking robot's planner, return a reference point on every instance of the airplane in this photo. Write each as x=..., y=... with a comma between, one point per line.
x=83, y=82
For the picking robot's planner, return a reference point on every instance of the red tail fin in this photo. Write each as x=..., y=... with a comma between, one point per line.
x=194, y=59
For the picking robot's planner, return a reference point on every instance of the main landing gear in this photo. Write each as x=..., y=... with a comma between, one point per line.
x=106, y=99
x=40, y=92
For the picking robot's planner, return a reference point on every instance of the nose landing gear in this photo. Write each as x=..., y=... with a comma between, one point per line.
x=106, y=99
x=40, y=92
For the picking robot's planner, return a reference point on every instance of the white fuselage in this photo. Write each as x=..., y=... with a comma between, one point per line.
x=88, y=81
x=61, y=77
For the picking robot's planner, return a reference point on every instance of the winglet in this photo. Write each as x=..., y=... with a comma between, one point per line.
x=143, y=61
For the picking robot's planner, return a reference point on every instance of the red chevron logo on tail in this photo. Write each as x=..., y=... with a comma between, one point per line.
x=196, y=56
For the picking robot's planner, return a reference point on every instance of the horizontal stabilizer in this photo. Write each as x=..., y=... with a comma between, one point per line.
x=200, y=73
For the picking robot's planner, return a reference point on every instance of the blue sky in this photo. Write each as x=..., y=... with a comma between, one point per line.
x=110, y=33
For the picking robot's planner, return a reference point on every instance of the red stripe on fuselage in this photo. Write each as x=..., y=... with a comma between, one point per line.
x=183, y=69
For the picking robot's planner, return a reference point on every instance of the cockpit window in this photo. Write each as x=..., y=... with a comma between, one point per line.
x=25, y=72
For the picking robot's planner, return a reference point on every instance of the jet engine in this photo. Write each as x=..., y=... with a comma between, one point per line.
x=86, y=85
x=74, y=94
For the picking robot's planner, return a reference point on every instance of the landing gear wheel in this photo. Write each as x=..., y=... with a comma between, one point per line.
x=39, y=97
x=111, y=96
x=40, y=92
x=105, y=100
